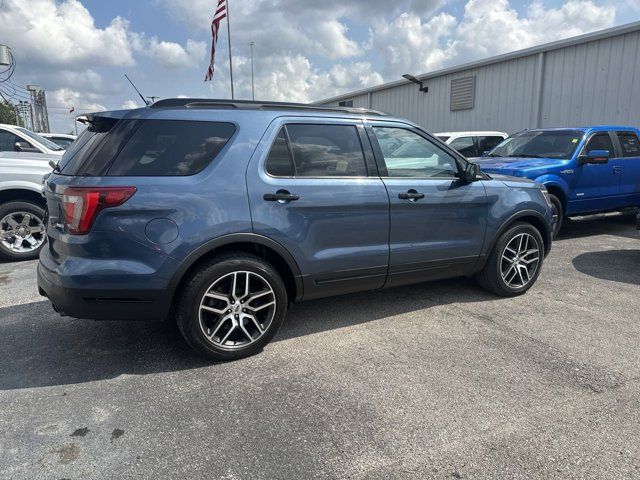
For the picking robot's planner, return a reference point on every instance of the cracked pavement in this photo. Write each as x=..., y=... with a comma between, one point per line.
x=438, y=380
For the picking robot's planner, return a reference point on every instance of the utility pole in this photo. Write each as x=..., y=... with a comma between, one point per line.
x=253, y=91
x=230, y=61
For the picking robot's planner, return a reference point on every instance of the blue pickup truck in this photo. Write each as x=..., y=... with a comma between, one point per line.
x=586, y=170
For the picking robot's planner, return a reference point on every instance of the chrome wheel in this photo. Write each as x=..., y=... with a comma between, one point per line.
x=520, y=260
x=22, y=232
x=237, y=309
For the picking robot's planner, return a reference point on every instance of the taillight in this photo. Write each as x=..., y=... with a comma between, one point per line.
x=82, y=204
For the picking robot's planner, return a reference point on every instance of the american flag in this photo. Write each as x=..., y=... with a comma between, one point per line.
x=221, y=13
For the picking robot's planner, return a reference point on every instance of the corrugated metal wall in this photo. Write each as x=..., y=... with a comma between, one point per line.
x=588, y=84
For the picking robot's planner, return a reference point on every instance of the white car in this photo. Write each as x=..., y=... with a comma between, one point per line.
x=472, y=144
x=61, y=139
x=22, y=227
x=20, y=140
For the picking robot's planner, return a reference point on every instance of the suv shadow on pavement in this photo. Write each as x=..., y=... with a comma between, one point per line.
x=615, y=265
x=41, y=349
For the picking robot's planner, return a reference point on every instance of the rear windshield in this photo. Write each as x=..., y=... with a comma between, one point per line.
x=539, y=144
x=146, y=148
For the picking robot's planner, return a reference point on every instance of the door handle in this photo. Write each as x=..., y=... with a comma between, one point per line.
x=616, y=169
x=281, y=196
x=412, y=195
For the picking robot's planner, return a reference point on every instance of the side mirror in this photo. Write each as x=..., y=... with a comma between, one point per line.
x=470, y=172
x=25, y=147
x=595, y=157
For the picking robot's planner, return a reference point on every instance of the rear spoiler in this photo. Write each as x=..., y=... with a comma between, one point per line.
x=90, y=118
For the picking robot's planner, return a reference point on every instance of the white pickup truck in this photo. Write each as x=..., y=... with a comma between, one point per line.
x=22, y=229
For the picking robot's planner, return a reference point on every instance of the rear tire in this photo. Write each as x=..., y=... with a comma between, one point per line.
x=22, y=230
x=517, y=256
x=231, y=307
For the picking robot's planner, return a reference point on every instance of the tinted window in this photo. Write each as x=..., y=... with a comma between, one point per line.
x=81, y=152
x=600, y=141
x=8, y=141
x=170, y=147
x=489, y=143
x=326, y=150
x=629, y=143
x=279, y=161
x=537, y=143
x=465, y=146
x=444, y=138
x=407, y=154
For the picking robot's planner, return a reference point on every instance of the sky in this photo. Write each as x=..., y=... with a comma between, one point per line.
x=305, y=50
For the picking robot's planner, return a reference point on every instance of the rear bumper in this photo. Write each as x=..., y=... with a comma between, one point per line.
x=101, y=304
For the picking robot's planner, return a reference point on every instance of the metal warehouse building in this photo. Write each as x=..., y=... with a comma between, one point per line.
x=586, y=80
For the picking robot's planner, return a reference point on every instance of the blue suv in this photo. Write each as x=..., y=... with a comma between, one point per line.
x=585, y=170
x=218, y=215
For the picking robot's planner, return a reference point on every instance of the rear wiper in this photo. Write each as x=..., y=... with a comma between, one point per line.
x=55, y=166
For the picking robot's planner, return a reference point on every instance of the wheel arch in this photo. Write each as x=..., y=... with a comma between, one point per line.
x=264, y=247
x=17, y=194
x=556, y=186
x=529, y=216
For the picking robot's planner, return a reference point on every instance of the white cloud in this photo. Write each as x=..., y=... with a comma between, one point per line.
x=487, y=27
x=66, y=97
x=129, y=104
x=51, y=34
x=170, y=54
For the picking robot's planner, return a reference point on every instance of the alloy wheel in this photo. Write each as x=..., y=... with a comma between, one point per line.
x=22, y=232
x=520, y=260
x=237, y=309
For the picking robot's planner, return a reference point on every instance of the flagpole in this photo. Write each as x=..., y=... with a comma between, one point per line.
x=230, y=61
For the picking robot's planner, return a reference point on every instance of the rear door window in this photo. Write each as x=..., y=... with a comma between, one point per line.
x=171, y=148
x=629, y=144
x=326, y=150
x=489, y=142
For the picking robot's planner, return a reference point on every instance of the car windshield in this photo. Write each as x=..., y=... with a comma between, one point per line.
x=43, y=141
x=539, y=144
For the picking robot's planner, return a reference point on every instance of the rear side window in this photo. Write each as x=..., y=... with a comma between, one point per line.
x=629, y=144
x=171, y=148
x=326, y=151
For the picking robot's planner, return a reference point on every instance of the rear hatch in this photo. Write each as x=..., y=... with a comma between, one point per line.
x=80, y=172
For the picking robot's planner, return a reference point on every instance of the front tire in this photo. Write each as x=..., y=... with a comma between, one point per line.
x=515, y=261
x=558, y=214
x=22, y=231
x=231, y=307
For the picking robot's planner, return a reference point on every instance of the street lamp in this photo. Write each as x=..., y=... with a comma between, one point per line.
x=413, y=79
x=253, y=92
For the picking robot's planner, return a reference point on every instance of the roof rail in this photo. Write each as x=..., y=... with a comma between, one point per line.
x=251, y=105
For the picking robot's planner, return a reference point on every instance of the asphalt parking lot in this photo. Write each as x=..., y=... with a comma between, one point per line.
x=431, y=381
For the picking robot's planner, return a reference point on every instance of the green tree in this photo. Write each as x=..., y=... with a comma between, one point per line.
x=8, y=113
